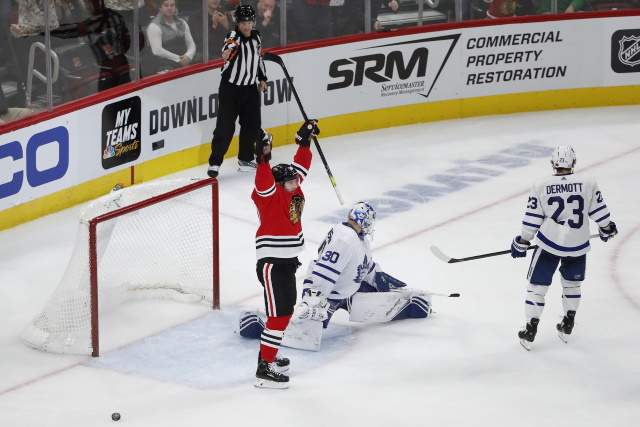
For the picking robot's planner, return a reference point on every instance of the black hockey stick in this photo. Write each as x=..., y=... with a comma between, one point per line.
x=268, y=56
x=456, y=295
x=449, y=260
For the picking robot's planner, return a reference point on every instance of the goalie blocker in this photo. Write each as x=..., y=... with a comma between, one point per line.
x=368, y=305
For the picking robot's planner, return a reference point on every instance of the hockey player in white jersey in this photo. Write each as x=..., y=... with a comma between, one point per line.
x=557, y=215
x=345, y=277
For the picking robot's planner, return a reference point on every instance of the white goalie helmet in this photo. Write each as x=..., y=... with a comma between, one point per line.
x=563, y=157
x=365, y=216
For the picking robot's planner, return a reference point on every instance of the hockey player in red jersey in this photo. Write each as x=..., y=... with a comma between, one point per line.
x=279, y=241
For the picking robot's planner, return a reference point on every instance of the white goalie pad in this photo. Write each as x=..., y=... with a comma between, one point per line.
x=300, y=334
x=370, y=307
x=303, y=335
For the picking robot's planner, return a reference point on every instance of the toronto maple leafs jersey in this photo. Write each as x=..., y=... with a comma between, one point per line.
x=344, y=260
x=558, y=212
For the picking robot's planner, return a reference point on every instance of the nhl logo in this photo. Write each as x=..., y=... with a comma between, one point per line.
x=629, y=52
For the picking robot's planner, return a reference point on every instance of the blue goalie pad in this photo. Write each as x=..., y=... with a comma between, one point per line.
x=251, y=325
x=383, y=282
x=415, y=308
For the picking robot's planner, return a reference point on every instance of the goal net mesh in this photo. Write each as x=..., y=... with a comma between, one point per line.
x=163, y=249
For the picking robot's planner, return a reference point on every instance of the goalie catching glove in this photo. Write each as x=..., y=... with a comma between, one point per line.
x=306, y=132
x=263, y=148
x=313, y=306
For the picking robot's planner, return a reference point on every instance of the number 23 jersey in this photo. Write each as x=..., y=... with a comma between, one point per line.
x=558, y=210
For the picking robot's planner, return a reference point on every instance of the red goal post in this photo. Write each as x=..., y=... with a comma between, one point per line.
x=152, y=240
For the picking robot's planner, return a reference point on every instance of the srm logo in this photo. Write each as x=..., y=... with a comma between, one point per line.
x=352, y=71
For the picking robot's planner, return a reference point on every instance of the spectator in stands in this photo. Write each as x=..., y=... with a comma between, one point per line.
x=312, y=20
x=501, y=8
x=170, y=39
x=109, y=40
x=219, y=26
x=125, y=8
x=31, y=18
x=564, y=6
x=267, y=21
x=349, y=18
x=9, y=114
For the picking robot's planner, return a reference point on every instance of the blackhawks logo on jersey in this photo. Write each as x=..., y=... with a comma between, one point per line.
x=295, y=208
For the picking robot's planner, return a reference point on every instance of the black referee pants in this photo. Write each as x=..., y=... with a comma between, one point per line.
x=236, y=102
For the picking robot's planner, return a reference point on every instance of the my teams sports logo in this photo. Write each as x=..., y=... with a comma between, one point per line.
x=411, y=67
x=121, y=132
x=625, y=51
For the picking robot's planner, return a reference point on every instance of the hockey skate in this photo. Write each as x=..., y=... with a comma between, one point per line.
x=566, y=326
x=282, y=363
x=213, y=171
x=244, y=166
x=528, y=334
x=267, y=376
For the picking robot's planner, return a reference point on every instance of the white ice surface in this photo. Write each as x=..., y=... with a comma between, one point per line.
x=167, y=363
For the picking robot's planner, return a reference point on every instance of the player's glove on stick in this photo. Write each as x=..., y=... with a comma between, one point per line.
x=519, y=250
x=306, y=132
x=312, y=307
x=606, y=235
x=263, y=148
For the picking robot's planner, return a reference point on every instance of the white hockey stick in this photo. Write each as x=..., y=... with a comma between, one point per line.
x=450, y=260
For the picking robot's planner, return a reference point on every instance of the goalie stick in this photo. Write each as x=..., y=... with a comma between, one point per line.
x=268, y=56
x=450, y=260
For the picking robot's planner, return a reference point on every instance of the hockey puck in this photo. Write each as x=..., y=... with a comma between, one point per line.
x=115, y=416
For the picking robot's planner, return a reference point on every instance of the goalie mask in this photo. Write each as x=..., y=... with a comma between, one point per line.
x=365, y=216
x=284, y=172
x=244, y=13
x=563, y=157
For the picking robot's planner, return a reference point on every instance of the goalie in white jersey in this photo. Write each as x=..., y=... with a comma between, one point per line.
x=558, y=213
x=345, y=277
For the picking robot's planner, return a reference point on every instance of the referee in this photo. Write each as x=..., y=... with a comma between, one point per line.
x=239, y=93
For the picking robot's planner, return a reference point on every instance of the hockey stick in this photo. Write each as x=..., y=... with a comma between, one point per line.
x=268, y=56
x=449, y=260
x=456, y=295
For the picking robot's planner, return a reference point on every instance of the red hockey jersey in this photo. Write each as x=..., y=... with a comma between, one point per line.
x=280, y=212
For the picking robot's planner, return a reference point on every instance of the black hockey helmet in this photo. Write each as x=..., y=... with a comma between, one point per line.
x=244, y=12
x=284, y=172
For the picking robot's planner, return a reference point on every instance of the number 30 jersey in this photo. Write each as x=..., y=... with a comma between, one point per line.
x=344, y=260
x=558, y=210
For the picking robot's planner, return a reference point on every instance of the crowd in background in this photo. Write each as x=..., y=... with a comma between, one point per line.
x=97, y=44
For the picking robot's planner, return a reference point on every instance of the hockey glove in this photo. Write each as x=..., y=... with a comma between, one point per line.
x=606, y=235
x=306, y=132
x=519, y=250
x=313, y=306
x=263, y=148
x=384, y=282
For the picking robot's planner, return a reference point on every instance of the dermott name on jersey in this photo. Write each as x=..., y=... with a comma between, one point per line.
x=564, y=188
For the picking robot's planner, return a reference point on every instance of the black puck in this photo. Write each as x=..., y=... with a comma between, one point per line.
x=115, y=416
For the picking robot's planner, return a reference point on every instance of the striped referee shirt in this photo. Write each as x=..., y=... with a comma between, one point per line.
x=245, y=63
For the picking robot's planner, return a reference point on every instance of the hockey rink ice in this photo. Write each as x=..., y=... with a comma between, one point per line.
x=461, y=185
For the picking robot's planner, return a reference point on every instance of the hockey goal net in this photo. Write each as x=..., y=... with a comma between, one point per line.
x=152, y=240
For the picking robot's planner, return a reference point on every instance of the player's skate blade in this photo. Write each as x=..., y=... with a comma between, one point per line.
x=262, y=383
x=564, y=337
x=526, y=344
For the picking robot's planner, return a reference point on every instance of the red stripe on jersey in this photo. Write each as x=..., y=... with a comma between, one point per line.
x=266, y=275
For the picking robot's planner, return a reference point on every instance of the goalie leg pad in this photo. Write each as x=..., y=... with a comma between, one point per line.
x=300, y=334
x=252, y=322
x=396, y=304
x=303, y=335
x=416, y=308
